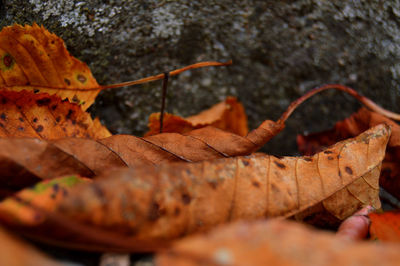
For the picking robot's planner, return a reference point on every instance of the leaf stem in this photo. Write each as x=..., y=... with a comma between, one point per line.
x=161, y=76
x=164, y=94
x=364, y=100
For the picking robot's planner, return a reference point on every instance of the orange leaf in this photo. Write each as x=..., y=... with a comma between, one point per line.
x=45, y=195
x=275, y=242
x=228, y=115
x=26, y=114
x=385, y=226
x=31, y=58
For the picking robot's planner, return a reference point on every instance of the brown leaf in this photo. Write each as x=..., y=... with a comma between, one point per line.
x=352, y=126
x=25, y=161
x=26, y=114
x=177, y=199
x=15, y=252
x=275, y=242
x=228, y=115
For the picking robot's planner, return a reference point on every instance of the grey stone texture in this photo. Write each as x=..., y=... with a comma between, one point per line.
x=280, y=50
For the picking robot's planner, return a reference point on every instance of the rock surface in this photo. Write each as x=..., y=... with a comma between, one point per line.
x=280, y=50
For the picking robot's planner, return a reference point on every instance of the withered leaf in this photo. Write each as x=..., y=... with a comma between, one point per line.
x=228, y=115
x=352, y=126
x=275, y=242
x=25, y=161
x=45, y=194
x=176, y=199
x=26, y=114
x=31, y=58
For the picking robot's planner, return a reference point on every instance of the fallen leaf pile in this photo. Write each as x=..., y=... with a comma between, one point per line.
x=197, y=193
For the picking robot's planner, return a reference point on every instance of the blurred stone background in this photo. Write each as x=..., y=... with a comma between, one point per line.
x=280, y=49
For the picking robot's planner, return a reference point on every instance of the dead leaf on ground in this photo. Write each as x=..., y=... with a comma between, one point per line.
x=275, y=242
x=45, y=195
x=352, y=126
x=228, y=115
x=26, y=114
x=150, y=204
x=33, y=59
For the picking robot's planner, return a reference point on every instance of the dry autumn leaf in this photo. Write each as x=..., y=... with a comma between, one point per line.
x=275, y=242
x=148, y=204
x=46, y=195
x=31, y=58
x=352, y=126
x=385, y=226
x=228, y=115
x=26, y=114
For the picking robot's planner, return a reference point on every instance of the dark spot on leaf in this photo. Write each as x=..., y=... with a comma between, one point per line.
x=36, y=91
x=255, y=184
x=67, y=81
x=39, y=128
x=81, y=78
x=3, y=116
x=340, y=173
x=1, y=125
x=186, y=199
x=213, y=184
x=21, y=119
x=155, y=212
x=338, y=156
x=54, y=107
x=3, y=100
x=56, y=187
x=280, y=165
x=330, y=158
x=246, y=163
x=65, y=100
x=43, y=102
x=21, y=128
x=348, y=170
x=35, y=120
x=70, y=112
x=8, y=60
x=98, y=191
x=274, y=188
x=74, y=122
x=307, y=159
x=53, y=195
x=177, y=211
x=58, y=118
x=75, y=99
x=328, y=152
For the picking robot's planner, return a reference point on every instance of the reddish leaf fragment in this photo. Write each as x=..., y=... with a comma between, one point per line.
x=228, y=115
x=385, y=226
